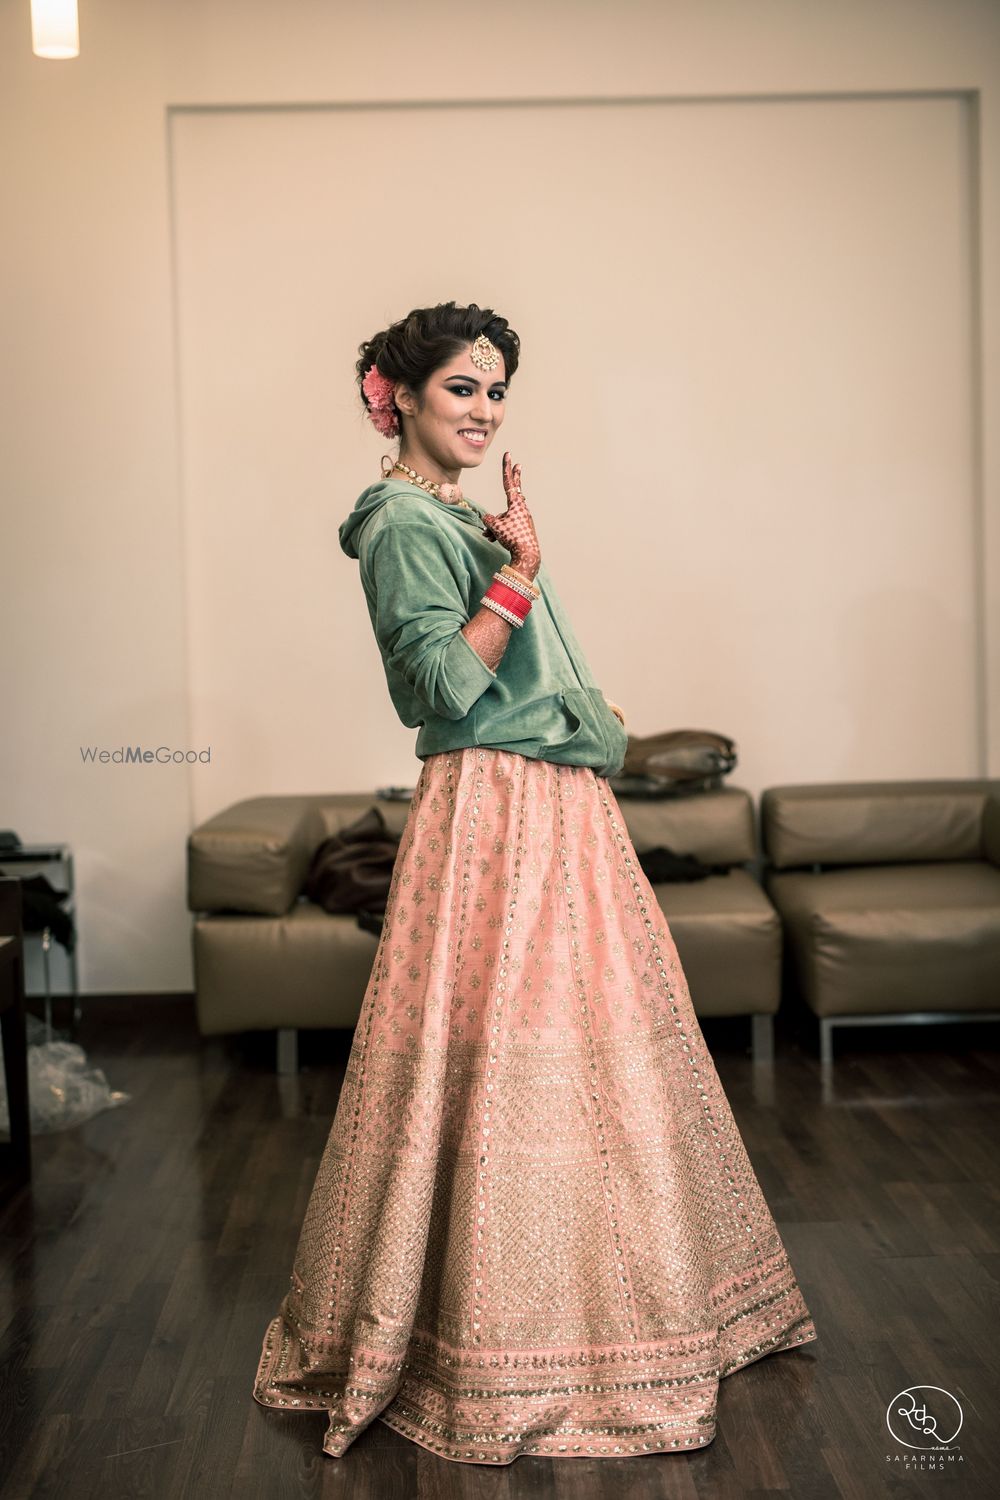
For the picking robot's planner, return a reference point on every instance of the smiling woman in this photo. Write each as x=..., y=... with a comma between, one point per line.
x=442, y=379
x=535, y=1228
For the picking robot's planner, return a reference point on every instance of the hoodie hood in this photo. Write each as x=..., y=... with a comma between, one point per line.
x=367, y=503
x=374, y=497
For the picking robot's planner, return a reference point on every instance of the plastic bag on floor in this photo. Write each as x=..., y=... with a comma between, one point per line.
x=63, y=1089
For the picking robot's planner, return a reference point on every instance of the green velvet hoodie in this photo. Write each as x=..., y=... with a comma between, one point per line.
x=425, y=565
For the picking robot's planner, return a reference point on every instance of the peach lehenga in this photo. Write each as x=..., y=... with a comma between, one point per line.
x=535, y=1228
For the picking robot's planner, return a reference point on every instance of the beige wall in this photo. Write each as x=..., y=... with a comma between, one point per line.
x=782, y=220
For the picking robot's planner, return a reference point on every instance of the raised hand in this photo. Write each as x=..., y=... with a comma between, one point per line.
x=515, y=529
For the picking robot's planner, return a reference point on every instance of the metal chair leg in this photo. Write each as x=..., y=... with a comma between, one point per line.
x=825, y=1041
x=74, y=975
x=46, y=945
x=763, y=1038
x=288, y=1049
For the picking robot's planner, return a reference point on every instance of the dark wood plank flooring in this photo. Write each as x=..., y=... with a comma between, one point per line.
x=141, y=1268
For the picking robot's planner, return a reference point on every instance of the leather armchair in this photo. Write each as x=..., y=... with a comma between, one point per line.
x=889, y=893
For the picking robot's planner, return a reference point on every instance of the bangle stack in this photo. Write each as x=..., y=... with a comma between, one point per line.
x=511, y=595
x=510, y=572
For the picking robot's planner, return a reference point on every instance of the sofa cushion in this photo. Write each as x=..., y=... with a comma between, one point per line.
x=254, y=856
x=854, y=823
x=340, y=809
x=717, y=826
x=893, y=938
x=305, y=968
x=728, y=938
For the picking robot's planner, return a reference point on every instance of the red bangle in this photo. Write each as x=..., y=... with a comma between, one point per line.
x=509, y=598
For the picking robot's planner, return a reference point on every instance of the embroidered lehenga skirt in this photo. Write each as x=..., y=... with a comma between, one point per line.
x=534, y=1228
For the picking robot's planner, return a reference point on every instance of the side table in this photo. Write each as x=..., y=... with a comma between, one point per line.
x=50, y=854
x=15, y=1154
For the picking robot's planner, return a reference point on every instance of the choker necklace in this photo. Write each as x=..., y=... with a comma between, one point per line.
x=451, y=494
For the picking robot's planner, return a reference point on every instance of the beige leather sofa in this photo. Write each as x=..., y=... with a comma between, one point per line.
x=264, y=958
x=889, y=894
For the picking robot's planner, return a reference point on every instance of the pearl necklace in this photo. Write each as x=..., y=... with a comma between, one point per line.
x=451, y=494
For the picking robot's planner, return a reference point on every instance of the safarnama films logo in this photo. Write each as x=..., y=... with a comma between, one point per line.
x=925, y=1420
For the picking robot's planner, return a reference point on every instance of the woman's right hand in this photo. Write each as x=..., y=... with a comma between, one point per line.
x=515, y=529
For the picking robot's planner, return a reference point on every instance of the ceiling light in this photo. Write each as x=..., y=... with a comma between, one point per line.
x=55, y=28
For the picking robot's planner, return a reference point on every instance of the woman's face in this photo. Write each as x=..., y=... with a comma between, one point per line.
x=462, y=411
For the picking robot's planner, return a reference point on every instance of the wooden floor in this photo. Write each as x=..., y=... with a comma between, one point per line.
x=140, y=1270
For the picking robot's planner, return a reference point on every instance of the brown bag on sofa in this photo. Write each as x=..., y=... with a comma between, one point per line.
x=675, y=762
x=351, y=870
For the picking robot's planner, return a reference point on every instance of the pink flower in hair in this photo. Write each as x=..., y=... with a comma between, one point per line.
x=378, y=389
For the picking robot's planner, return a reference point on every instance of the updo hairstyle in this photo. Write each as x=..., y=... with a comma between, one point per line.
x=427, y=338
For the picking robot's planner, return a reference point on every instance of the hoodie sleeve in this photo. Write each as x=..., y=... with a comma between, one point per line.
x=419, y=612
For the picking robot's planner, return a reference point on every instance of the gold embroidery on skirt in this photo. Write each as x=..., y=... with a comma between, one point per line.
x=535, y=1227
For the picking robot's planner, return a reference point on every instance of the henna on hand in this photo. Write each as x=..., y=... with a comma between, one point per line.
x=515, y=528
x=488, y=634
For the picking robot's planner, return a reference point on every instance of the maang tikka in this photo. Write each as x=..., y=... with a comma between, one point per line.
x=483, y=354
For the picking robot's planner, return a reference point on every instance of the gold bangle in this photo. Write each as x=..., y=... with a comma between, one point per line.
x=506, y=568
